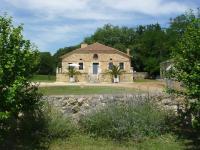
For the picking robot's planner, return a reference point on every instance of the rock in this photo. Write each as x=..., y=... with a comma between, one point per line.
x=72, y=101
x=80, y=101
x=166, y=101
x=75, y=109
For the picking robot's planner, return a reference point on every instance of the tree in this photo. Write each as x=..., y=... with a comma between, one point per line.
x=46, y=65
x=178, y=26
x=72, y=72
x=151, y=48
x=115, y=72
x=186, y=56
x=18, y=61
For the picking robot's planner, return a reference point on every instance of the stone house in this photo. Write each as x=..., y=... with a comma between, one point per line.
x=93, y=61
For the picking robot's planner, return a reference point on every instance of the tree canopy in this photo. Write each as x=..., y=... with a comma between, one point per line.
x=186, y=68
x=18, y=61
x=47, y=63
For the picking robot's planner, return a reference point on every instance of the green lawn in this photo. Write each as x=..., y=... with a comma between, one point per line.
x=44, y=78
x=86, y=90
x=84, y=142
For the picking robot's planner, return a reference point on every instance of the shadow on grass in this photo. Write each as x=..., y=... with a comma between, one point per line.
x=27, y=133
x=190, y=137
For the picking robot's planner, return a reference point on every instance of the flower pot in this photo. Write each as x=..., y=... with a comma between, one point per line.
x=116, y=79
x=71, y=79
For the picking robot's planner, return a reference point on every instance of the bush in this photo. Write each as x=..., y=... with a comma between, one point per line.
x=122, y=121
x=57, y=126
x=38, y=128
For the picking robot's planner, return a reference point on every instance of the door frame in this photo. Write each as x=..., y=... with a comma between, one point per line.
x=97, y=64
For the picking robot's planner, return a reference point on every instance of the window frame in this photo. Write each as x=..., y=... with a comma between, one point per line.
x=110, y=66
x=122, y=68
x=80, y=65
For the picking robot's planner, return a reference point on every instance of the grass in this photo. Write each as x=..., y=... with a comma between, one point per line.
x=85, y=142
x=86, y=90
x=44, y=78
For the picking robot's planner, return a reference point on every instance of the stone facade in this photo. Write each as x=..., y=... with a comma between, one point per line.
x=99, y=56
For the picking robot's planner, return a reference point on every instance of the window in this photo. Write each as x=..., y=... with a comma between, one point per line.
x=121, y=66
x=95, y=56
x=69, y=67
x=110, y=65
x=80, y=66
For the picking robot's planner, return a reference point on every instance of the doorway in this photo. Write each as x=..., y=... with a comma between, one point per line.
x=95, y=68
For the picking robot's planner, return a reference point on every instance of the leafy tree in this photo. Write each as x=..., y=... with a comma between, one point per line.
x=178, y=26
x=18, y=61
x=151, y=48
x=46, y=65
x=186, y=56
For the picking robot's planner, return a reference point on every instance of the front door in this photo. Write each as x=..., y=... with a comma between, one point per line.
x=95, y=68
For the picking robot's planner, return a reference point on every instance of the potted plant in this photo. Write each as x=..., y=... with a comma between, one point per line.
x=115, y=72
x=72, y=72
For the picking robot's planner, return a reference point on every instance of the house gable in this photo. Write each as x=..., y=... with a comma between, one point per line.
x=96, y=48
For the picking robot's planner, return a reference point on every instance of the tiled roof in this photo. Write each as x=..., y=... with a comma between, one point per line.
x=96, y=47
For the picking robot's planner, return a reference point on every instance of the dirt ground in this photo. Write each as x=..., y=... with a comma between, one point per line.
x=150, y=86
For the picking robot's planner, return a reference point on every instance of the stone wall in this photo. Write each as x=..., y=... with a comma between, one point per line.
x=140, y=75
x=76, y=105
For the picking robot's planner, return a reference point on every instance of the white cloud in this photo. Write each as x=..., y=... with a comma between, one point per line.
x=98, y=9
x=149, y=7
x=49, y=35
x=50, y=21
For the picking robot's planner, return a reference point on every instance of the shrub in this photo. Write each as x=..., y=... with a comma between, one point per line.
x=57, y=125
x=120, y=121
x=38, y=128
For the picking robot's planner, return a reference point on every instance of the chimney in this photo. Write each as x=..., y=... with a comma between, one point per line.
x=84, y=45
x=128, y=51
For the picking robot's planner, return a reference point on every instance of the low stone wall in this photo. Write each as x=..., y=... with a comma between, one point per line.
x=140, y=75
x=76, y=105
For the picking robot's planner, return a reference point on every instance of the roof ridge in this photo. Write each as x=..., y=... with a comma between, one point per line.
x=97, y=47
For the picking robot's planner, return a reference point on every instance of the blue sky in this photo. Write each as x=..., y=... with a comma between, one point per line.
x=53, y=24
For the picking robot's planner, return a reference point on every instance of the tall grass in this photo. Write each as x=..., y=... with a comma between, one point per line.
x=121, y=121
x=57, y=125
x=36, y=130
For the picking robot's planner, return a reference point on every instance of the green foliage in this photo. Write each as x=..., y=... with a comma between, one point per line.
x=115, y=71
x=57, y=126
x=46, y=65
x=151, y=48
x=121, y=121
x=18, y=61
x=38, y=128
x=73, y=72
x=186, y=56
